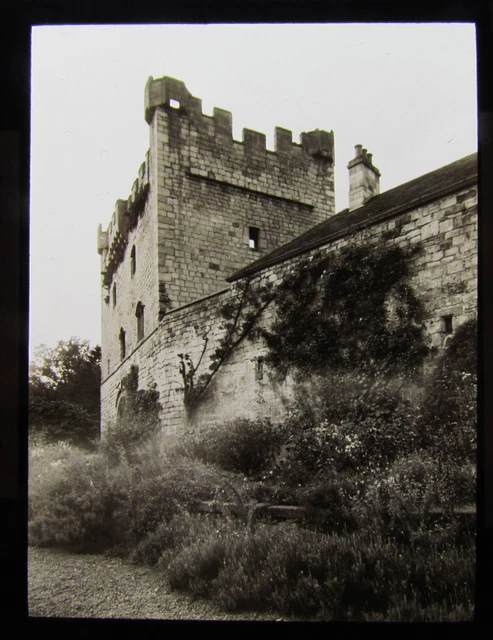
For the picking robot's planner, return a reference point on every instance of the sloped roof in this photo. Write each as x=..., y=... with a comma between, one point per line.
x=409, y=195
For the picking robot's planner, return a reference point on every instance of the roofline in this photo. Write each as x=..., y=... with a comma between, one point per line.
x=250, y=270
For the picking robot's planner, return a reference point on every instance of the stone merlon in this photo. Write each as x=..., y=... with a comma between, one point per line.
x=319, y=144
x=172, y=95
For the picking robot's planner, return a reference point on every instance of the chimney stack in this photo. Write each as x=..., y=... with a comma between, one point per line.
x=364, y=178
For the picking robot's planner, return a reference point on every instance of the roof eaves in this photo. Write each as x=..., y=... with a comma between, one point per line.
x=262, y=263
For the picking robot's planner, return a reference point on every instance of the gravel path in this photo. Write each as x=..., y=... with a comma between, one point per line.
x=67, y=585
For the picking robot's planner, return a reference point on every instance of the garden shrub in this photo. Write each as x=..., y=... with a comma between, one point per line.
x=449, y=420
x=338, y=577
x=153, y=500
x=196, y=566
x=182, y=529
x=328, y=501
x=241, y=445
x=346, y=423
x=75, y=500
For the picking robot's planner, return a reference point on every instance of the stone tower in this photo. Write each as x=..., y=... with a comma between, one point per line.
x=202, y=207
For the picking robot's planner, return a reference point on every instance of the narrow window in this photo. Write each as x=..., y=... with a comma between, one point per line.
x=114, y=295
x=122, y=344
x=139, y=314
x=133, y=261
x=253, y=238
x=120, y=410
x=174, y=103
x=108, y=366
x=259, y=368
x=448, y=327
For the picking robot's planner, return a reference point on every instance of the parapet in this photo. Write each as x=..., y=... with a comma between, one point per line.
x=113, y=241
x=172, y=95
x=140, y=183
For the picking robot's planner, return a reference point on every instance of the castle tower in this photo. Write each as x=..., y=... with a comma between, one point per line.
x=203, y=206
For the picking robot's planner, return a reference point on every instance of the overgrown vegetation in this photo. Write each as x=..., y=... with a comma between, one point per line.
x=379, y=466
x=64, y=393
x=139, y=418
x=351, y=310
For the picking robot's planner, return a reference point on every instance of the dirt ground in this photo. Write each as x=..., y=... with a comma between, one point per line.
x=67, y=585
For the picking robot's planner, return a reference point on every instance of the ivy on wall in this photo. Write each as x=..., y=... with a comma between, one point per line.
x=347, y=311
x=353, y=310
x=139, y=403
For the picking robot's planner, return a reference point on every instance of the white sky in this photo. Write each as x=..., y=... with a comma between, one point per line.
x=406, y=92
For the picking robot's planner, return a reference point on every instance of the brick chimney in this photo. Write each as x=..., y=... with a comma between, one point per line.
x=364, y=178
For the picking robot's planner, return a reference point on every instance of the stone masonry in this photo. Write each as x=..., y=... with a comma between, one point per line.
x=198, y=194
x=208, y=205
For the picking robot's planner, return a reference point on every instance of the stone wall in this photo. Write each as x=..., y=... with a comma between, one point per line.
x=131, y=288
x=213, y=189
x=444, y=275
x=207, y=194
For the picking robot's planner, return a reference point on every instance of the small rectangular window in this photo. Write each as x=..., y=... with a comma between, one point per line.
x=122, y=344
x=174, y=103
x=259, y=368
x=139, y=314
x=447, y=323
x=253, y=233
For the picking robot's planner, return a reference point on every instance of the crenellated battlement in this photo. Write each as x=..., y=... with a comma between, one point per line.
x=172, y=96
x=113, y=241
x=202, y=206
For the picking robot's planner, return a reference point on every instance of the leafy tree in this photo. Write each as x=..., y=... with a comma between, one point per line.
x=64, y=391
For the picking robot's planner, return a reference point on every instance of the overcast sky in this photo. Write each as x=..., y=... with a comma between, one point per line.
x=406, y=92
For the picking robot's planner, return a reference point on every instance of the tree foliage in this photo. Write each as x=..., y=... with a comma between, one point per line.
x=64, y=391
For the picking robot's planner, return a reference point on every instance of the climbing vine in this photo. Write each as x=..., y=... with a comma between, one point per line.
x=240, y=315
x=138, y=418
x=140, y=404
x=352, y=310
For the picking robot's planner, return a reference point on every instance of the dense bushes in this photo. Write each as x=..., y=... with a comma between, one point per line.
x=379, y=473
x=242, y=445
x=74, y=499
x=303, y=573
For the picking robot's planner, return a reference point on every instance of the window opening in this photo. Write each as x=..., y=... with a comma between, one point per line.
x=139, y=313
x=175, y=104
x=114, y=295
x=448, y=327
x=121, y=408
x=253, y=233
x=133, y=261
x=122, y=344
x=259, y=368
